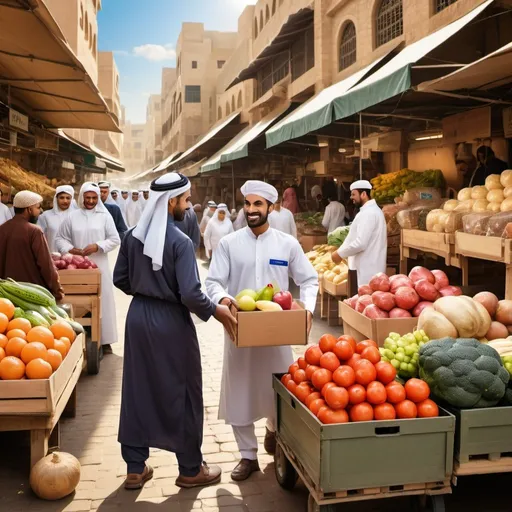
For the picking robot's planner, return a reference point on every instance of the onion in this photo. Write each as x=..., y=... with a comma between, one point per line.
x=406, y=298
x=56, y=256
x=399, y=313
x=504, y=312
x=68, y=258
x=384, y=300
x=418, y=273
x=72, y=267
x=60, y=264
x=362, y=302
x=364, y=290
x=489, y=301
x=441, y=278
x=421, y=306
x=496, y=331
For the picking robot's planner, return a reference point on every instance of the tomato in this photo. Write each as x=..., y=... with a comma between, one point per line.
x=376, y=393
x=329, y=361
x=293, y=368
x=351, y=340
x=312, y=397
x=310, y=370
x=299, y=376
x=327, y=343
x=372, y=354
x=384, y=411
x=336, y=397
x=315, y=405
x=365, y=344
x=313, y=355
x=291, y=386
x=344, y=376
x=343, y=350
x=386, y=372
x=326, y=387
x=324, y=414
x=302, y=363
x=302, y=391
x=365, y=372
x=285, y=378
x=356, y=394
x=321, y=377
x=361, y=412
x=417, y=390
x=395, y=392
x=406, y=409
x=427, y=409
x=353, y=360
x=338, y=416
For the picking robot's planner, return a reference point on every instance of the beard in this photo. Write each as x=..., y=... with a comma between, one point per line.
x=33, y=219
x=257, y=222
x=178, y=214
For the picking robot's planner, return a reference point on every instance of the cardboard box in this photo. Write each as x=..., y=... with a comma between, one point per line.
x=271, y=328
x=335, y=290
x=308, y=241
x=362, y=328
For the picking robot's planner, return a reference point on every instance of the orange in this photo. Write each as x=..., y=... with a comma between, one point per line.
x=16, y=333
x=42, y=334
x=61, y=329
x=19, y=323
x=3, y=340
x=54, y=357
x=2, y=353
x=61, y=347
x=38, y=369
x=12, y=368
x=66, y=342
x=33, y=351
x=7, y=308
x=15, y=346
x=4, y=322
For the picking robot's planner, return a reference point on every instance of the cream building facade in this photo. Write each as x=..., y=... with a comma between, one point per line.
x=134, y=147
x=153, y=132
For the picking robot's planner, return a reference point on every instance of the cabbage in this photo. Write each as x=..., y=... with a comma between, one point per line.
x=337, y=237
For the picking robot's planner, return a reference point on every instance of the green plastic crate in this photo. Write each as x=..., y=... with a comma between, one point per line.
x=485, y=431
x=365, y=455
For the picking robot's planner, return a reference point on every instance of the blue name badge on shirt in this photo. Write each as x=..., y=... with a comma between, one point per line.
x=279, y=263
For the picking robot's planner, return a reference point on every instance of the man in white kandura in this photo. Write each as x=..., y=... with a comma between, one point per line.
x=207, y=216
x=334, y=216
x=252, y=258
x=133, y=209
x=90, y=231
x=219, y=226
x=5, y=213
x=282, y=219
x=367, y=242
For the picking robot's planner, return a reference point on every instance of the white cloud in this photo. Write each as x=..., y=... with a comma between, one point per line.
x=155, y=52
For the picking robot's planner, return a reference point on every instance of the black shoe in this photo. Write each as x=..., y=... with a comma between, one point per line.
x=107, y=349
x=270, y=442
x=244, y=470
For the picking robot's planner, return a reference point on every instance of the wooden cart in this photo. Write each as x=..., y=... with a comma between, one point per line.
x=82, y=289
x=37, y=405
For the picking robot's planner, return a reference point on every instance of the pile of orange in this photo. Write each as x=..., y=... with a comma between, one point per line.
x=28, y=352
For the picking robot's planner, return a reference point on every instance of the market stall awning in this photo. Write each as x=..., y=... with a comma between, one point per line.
x=239, y=146
x=215, y=133
x=164, y=164
x=112, y=162
x=391, y=79
x=192, y=169
x=45, y=76
x=291, y=29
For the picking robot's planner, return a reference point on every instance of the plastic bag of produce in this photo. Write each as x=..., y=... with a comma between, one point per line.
x=415, y=217
x=507, y=233
x=498, y=224
x=453, y=222
x=476, y=223
x=492, y=182
x=436, y=220
x=414, y=195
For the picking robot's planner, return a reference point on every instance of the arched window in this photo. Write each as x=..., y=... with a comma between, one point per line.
x=180, y=105
x=94, y=47
x=90, y=36
x=239, y=101
x=348, y=46
x=233, y=107
x=273, y=7
x=81, y=16
x=389, y=21
x=267, y=14
x=442, y=4
x=86, y=26
x=255, y=27
x=227, y=108
x=261, y=21
x=219, y=113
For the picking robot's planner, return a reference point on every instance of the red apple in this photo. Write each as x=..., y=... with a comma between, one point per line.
x=284, y=299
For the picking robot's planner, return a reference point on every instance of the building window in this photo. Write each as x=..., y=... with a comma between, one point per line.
x=180, y=105
x=86, y=26
x=255, y=27
x=239, y=102
x=303, y=54
x=261, y=21
x=227, y=108
x=220, y=64
x=348, y=46
x=192, y=94
x=273, y=7
x=233, y=107
x=267, y=14
x=81, y=16
x=390, y=21
x=442, y=4
x=94, y=48
x=219, y=113
x=194, y=64
x=137, y=145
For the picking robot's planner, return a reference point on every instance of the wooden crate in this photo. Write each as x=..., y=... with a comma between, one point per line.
x=335, y=290
x=489, y=248
x=81, y=282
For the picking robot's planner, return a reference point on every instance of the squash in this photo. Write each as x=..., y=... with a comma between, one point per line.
x=55, y=476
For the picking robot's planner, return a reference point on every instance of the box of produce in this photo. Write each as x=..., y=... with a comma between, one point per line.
x=335, y=281
x=491, y=248
x=320, y=258
x=437, y=243
x=72, y=262
x=340, y=400
x=268, y=318
x=309, y=242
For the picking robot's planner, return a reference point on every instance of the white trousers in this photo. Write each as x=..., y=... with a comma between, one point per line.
x=247, y=441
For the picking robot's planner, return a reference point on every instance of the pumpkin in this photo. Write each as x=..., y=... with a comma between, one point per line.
x=55, y=476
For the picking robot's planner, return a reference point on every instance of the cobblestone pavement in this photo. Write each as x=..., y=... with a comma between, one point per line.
x=92, y=437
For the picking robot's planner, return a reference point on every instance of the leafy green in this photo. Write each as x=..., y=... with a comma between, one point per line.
x=337, y=237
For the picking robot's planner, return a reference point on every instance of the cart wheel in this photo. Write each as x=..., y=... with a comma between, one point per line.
x=93, y=355
x=285, y=472
x=313, y=506
x=430, y=503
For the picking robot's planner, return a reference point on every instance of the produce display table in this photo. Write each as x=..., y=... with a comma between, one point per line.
x=37, y=405
x=333, y=293
x=328, y=457
x=488, y=248
x=82, y=289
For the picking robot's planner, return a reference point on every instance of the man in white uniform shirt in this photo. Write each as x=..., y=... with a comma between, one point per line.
x=282, y=219
x=367, y=242
x=251, y=258
x=5, y=213
x=334, y=216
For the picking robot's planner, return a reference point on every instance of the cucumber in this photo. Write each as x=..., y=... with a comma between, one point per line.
x=18, y=313
x=28, y=293
x=42, y=289
x=47, y=314
x=36, y=319
x=24, y=305
x=76, y=326
x=59, y=312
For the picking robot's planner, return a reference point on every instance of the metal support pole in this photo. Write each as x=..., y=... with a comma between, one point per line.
x=233, y=184
x=360, y=146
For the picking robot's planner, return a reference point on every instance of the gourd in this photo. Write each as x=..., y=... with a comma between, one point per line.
x=55, y=476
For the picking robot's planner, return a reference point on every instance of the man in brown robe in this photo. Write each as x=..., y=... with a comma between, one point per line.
x=24, y=252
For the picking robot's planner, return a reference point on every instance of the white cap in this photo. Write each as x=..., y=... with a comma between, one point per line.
x=260, y=188
x=361, y=185
x=26, y=199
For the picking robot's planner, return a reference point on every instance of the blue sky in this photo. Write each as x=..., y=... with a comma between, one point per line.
x=143, y=34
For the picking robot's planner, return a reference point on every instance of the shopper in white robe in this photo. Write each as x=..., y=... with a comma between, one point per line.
x=133, y=209
x=118, y=199
x=282, y=219
x=334, y=216
x=251, y=258
x=144, y=198
x=366, y=245
x=219, y=226
x=51, y=220
x=5, y=212
x=90, y=231
x=207, y=216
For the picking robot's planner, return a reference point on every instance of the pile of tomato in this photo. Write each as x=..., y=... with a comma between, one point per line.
x=340, y=381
